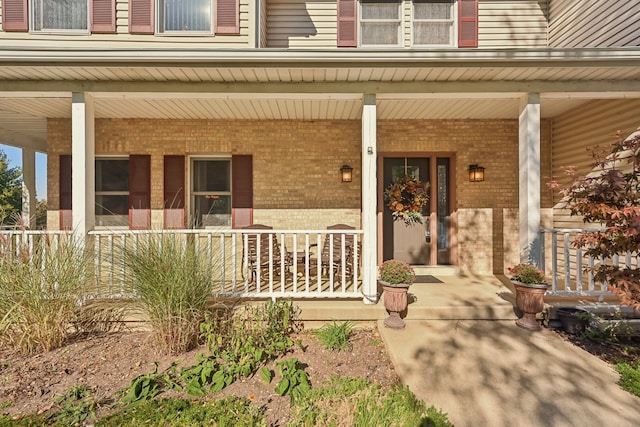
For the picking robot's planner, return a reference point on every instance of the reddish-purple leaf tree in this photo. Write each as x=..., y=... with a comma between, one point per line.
x=609, y=197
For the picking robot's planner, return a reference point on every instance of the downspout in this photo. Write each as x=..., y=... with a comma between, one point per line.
x=258, y=16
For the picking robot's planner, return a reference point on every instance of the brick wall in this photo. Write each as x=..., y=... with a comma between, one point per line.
x=296, y=167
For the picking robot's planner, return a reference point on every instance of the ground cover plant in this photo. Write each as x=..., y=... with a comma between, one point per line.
x=101, y=371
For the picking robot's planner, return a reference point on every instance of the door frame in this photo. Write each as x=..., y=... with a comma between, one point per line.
x=453, y=206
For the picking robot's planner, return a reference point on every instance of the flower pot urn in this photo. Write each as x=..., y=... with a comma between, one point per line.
x=530, y=300
x=395, y=301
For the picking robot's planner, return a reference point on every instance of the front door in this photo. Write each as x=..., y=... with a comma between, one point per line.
x=427, y=242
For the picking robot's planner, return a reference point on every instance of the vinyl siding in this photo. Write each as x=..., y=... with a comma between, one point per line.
x=299, y=23
x=591, y=125
x=312, y=23
x=511, y=23
x=122, y=36
x=594, y=23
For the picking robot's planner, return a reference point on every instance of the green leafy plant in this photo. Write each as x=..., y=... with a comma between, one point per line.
x=611, y=330
x=526, y=273
x=334, y=335
x=629, y=377
x=76, y=406
x=295, y=381
x=146, y=387
x=172, y=282
x=41, y=288
x=396, y=272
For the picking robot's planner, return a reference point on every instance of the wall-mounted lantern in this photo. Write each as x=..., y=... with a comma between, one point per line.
x=347, y=173
x=476, y=173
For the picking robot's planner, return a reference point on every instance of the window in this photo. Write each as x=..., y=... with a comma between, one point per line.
x=380, y=23
x=184, y=16
x=211, y=192
x=59, y=15
x=112, y=191
x=433, y=22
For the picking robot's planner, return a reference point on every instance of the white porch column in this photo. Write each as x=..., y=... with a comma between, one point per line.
x=83, y=163
x=369, y=184
x=529, y=155
x=29, y=187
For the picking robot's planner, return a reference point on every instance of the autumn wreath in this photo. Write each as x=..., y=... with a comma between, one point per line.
x=406, y=197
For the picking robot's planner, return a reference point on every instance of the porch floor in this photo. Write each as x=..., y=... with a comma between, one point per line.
x=457, y=297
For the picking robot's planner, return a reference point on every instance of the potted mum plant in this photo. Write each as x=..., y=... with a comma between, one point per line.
x=395, y=276
x=530, y=285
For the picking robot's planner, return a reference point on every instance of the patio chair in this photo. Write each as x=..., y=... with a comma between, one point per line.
x=258, y=245
x=331, y=260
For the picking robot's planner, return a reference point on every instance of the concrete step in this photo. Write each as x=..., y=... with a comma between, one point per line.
x=456, y=298
x=435, y=270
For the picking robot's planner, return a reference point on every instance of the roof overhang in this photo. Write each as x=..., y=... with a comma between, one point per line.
x=174, y=82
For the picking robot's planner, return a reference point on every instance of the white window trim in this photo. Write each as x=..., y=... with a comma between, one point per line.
x=400, y=22
x=191, y=195
x=181, y=33
x=32, y=23
x=454, y=26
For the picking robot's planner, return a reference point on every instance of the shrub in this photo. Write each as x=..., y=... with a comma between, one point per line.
x=609, y=197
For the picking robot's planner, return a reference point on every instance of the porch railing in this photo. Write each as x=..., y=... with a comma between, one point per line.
x=292, y=265
x=570, y=268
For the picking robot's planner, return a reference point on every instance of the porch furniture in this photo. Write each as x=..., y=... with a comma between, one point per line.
x=331, y=256
x=261, y=247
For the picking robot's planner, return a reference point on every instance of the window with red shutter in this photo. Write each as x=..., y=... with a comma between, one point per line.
x=14, y=15
x=141, y=16
x=467, y=23
x=103, y=16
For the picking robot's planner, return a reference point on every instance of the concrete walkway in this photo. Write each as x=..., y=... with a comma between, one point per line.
x=493, y=373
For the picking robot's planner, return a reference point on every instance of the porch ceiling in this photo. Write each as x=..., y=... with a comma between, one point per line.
x=174, y=83
x=23, y=119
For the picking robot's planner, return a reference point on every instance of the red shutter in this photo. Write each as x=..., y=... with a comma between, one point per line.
x=140, y=181
x=227, y=17
x=65, y=192
x=15, y=16
x=467, y=23
x=173, y=182
x=241, y=191
x=103, y=16
x=141, y=16
x=347, y=23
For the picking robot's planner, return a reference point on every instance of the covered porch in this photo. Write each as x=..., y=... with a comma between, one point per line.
x=300, y=118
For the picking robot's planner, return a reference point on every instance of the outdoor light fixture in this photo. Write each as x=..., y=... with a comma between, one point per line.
x=347, y=173
x=476, y=173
